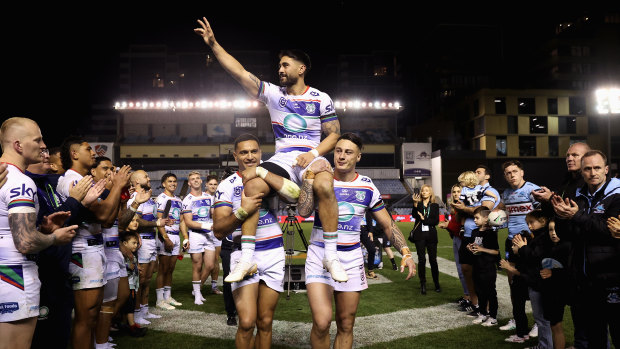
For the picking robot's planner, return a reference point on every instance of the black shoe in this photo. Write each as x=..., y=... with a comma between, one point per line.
x=475, y=312
x=437, y=288
x=394, y=267
x=423, y=288
x=467, y=306
x=231, y=321
x=459, y=301
x=137, y=331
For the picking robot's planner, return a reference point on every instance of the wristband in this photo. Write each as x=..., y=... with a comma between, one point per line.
x=206, y=226
x=133, y=209
x=241, y=214
x=315, y=152
x=261, y=172
x=405, y=251
x=185, y=241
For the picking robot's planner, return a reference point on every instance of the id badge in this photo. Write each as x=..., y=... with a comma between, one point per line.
x=424, y=227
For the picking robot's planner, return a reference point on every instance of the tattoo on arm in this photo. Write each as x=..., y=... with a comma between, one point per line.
x=26, y=237
x=125, y=217
x=305, y=204
x=255, y=79
x=398, y=239
x=331, y=127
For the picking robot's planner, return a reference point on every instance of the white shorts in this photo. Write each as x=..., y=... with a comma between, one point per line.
x=87, y=269
x=352, y=261
x=19, y=292
x=148, y=251
x=270, y=268
x=215, y=241
x=198, y=243
x=110, y=290
x=285, y=160
x=175, y=249
x=115, y=264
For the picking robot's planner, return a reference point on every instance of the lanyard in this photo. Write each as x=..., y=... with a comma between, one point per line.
x=51, y=196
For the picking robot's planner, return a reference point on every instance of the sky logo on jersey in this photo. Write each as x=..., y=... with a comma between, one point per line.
x=294, y=123
x=22, y=191
x=8, y=307
x=346, y=211
x=12, y=275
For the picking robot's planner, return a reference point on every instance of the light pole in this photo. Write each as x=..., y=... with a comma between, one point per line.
x=608, y=103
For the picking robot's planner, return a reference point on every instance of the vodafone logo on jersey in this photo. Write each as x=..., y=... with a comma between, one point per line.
x=520, y=208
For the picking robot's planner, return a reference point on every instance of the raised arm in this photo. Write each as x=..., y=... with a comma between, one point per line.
x=248, y=81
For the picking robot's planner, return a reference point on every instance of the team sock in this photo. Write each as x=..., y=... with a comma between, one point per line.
x=213, y=284
x=331, y=245
x=248, y=244
x=167, y=292
x=160, y=294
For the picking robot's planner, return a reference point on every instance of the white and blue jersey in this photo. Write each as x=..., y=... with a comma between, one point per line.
x=18, y=195
x=88, y=236
x=147, y=211
x=519, y=202
x=354, y=198
x=110, y=237
x=268, y=232
x=200, y=208
x=296, y=120
x=473, y=197
x=174, y=213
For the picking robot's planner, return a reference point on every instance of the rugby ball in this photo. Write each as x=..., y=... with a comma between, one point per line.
x=497, y=218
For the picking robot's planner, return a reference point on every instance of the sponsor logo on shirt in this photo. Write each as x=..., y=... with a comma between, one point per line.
x=523, y=208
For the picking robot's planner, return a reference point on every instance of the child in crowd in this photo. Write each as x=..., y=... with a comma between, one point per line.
x=530, y=264
x=129, y=246
x=485, y=249
x=555, y=283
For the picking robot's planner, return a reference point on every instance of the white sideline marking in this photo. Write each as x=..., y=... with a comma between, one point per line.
x=368, y=330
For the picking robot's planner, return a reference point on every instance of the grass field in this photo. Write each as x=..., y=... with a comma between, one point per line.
x=391, y=314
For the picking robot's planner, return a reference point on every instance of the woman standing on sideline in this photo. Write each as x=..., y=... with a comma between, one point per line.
x=426, y=213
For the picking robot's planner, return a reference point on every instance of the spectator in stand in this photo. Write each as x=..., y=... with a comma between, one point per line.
x=426, y=213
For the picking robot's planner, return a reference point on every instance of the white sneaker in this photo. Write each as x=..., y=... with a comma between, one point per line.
x=164, y=305
x=173, y=302
x=241, y=270
x=511, y=325
x=197, y=301
x=534, y=331
x=141, y=321
x=201, y=297
x=489, y=322
x=480, y=319
x=149, y=315
x=336, y=270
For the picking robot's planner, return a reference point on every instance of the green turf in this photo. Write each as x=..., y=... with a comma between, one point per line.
x=377, y=299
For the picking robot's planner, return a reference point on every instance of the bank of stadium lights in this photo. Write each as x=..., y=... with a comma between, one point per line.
x=608, y=100
x=238, y=104
x=186, y=105
x=367, y=105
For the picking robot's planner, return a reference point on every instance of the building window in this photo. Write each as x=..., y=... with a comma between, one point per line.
x=538, y=124
x=380, y=71
x=476, y=107
x=552, y=106
x=578, y=139
x=526, y=106
x=479, y=128
x=553, y=146
x=245, y=122
x=576, y=105
x=527, y=146
x=592, y=126
x=500, y=145
x=513, y=124
x=567, y=125
x=500, y=105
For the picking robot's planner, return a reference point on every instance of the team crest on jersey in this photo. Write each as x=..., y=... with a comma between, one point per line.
x=310, y=108
x=282, y=102
x=238, y=190
x=360, y=195
x=314, y=93
x=599, y=209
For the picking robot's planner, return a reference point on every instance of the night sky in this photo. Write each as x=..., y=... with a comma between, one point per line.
x=59, y=60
